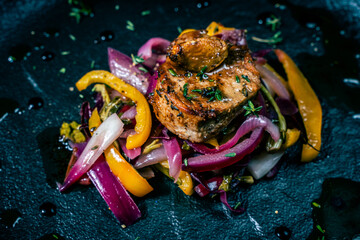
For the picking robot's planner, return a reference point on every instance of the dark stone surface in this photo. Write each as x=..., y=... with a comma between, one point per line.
x=327, y=55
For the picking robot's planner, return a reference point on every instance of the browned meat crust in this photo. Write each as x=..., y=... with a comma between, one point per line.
x=195, y=106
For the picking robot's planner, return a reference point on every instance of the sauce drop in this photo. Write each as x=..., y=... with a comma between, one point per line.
x=47, y=56
x=19, y=53
x=283, y=233
x=47, y=209
x=35, y=103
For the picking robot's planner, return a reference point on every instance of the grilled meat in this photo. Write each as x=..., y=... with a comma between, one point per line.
x=195, y=104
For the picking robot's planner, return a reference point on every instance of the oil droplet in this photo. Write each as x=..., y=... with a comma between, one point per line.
x=310, y=25
x=47, y=56
x=352, y=82
x=19, y=110
x=35, y=103
x=202, y=4
x=264, y=17
x=105, y=36
x=51, y=32
x=19, y=53
x=38, y=46
x=10, y=217
x=47, y=209
x=283, y=233
x=357, y=56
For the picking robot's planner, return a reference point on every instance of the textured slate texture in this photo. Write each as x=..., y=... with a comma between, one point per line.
x=29, y=166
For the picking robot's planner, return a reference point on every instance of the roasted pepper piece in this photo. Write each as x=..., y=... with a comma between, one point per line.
x=309, y=106
x=184, y=181
x=128, y=176
x=292, y=135
x=143, y=116
x=215, y=28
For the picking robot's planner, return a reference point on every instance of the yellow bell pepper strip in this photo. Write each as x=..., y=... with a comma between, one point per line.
x=127, y=175
x=292, y=135
x=187, y=30
x=308, y=103
x=216, y=28
x=143, y=116
x=184, y=181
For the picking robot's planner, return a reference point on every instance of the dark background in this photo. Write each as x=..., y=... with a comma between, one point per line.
x=321, y=36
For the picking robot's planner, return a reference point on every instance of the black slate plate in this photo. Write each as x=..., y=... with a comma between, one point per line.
x=322, y=37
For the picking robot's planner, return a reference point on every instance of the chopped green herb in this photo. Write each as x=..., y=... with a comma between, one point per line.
x=274, y=22
x=130, y=26
x=64, y=53
x=202, y=74
x=246, y=78
x=146, y=12
x=237, y=78
x=95, y=147
x=92, y=65
x=185, y=146
x=315, y=204
x=185, y=161
x=237, y=205
x=143, y=69
x=72, y=37
x=320, y=229
x=62, y=70
x=230, y=155
x=179, y=29
x=185, y=91
x=137, y=59
x=218, y=94
x=172, y=72
x=196, y=90
x=81, y=96
x=273, y=40
x=250, y=109
x=54, y=236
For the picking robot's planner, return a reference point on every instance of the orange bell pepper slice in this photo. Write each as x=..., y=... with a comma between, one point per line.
x=309, y=106
x=124, y=171
x=216, y=28
x=143, y=116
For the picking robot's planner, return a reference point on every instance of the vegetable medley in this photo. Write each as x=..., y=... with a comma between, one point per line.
x=120, y=144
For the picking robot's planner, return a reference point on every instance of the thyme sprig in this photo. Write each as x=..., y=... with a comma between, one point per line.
x=250, y=109
x=274, y=22
x=272, y=40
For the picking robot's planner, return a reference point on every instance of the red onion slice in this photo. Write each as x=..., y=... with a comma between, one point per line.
x=122, y=67
x=129, y=114
x=130, y=153
x=174, y=156
x=223, y=159
x=102, y=138
x=273, y=82
x=153, y=157
x=247, y=126
x=113, y=192
x=154, y=51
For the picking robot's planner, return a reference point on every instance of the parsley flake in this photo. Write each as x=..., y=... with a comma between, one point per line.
x=272, y=40
x=146, y=12
x=246, y=78
x=237, y=78
x=230, y=155
x=136, y=59
x=172, y=72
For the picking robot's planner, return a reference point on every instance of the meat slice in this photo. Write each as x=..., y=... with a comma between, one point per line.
x=196, y=105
